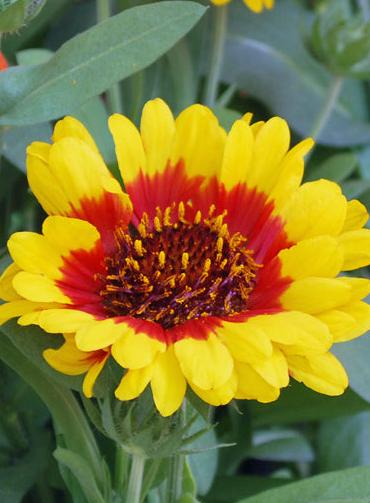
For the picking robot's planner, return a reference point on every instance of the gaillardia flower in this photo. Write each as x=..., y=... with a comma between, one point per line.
x=254, y=5
x=216, y=269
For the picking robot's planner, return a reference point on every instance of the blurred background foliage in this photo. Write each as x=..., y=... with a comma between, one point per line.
x=66, y=58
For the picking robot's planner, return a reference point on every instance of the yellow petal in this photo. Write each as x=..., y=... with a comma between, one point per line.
x=251, y=386
x=33, y=253
x=206, y=363
x=57, y=321
x=316, y=208
x=274, y=370
x=7, y=291
x=356, y=217
x=71, y=127
x=246, y=341
x=40, y=150
x=77, y=170
x=290, y=174
x=66, y=234
x=351, y=321
x=129, y=147
x=322, y=373
x=314, y=295
x=16, y=308
x=219, y=396
x=68, y=359
x=91, y=377
x=271, y=145
x=38, y=288
x=254, y=5
x=295, y=332
x=355, y=246
x=168, y=383
x=199, y=141
x=100, y=334
x=136, y=350
x=319, y=256
x=133, y=383
x=44, y=184
x=237, y=155
x=157, y=131
x=360, y=287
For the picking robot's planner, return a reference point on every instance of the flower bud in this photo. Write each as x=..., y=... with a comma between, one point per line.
x=16, y=13
x=342, y=43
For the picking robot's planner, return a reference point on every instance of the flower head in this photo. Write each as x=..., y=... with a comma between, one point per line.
x=216, y=269
x=254, y=5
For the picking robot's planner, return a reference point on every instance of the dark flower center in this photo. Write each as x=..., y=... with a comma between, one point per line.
x=172, y=270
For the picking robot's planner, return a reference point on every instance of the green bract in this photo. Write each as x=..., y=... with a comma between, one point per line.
x=341, y=43
x=16, y=13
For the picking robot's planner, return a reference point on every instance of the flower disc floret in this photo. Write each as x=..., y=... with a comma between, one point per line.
x=173, y=270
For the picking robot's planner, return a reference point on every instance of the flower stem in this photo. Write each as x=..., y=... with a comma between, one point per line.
x=176, y=471
x=136, y=479
x=103, y=12
x=174, y=481
x=217, y=54
x=330, y=102
x=120, y=469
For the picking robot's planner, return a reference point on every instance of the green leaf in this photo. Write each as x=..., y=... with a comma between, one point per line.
x=280, y=445
x=91, y=62
x=345, y=486
x=82, y=472
x=230, y=489
x=287, y=79
x=94, y=116
x=32, y=341
x=14, y=141
x=203, y=465
x=337, y=168
x=67, y=414
x=344, y=442
x=355, y=357
x=355, y=188
x=33, y=56
x=298, y=403
x=16, y=480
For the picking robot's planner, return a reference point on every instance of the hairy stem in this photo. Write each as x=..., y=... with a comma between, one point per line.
x=326, y=111
x=135, y=483
x=219, y=29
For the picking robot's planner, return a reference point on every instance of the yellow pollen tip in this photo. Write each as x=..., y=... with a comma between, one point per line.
x=181, y=211
x=198, y=217
x=220, y=244
x=132, y=263
x=211, y=210
x=161, y=258
x=157, y=224
x=219, y=222
x=142, y=230
x=185, y=260
x=138, y=247
x=223, y=231
x=207, y=265
x=167, y=216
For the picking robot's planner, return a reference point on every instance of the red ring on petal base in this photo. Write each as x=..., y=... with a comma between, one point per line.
x=121, y=283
